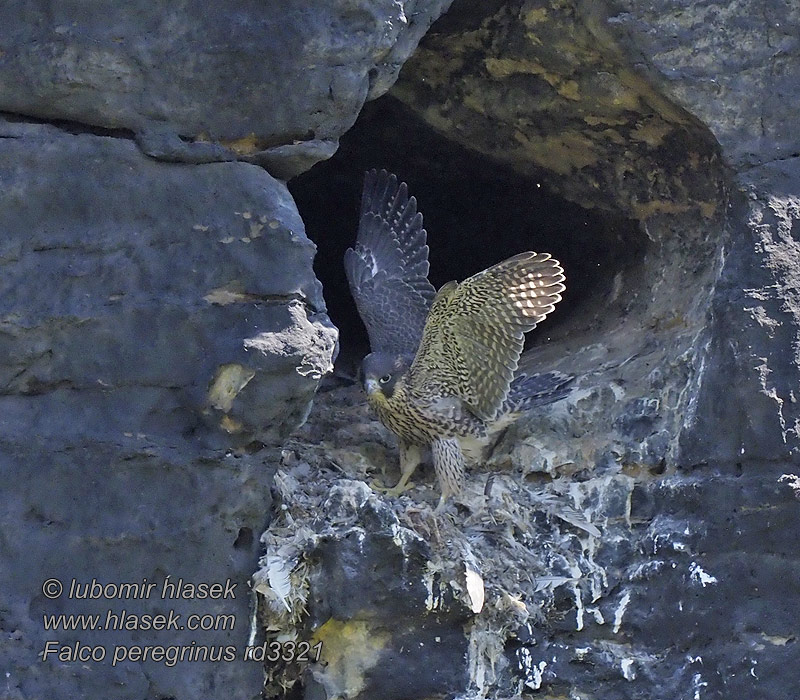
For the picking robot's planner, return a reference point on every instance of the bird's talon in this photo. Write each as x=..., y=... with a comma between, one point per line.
x=392, y=491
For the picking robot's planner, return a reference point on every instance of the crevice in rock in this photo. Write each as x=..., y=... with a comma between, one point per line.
x=511, y=141
x=572, y=111
x=68, y=126
x=244, y=539
x=632, y=321
x=767, y=163
x=477, y=212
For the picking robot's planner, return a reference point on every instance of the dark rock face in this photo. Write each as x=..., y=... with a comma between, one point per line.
x=160, y=319
x=752, y=367
x=635, y=540
x=741, y=84
x=149, y=312
x=572, y=110
x=245, y=75
x=738, y=77
x=387, y=621
x=130, y=295
x=643, y=129
x=715, y=597
x=119, y=511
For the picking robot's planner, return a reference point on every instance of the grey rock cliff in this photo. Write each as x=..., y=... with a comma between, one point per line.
x=150, y=313
x=163, y=334
x=160, y=320
x=126, y=291
x=245, y=76
x=637, y=539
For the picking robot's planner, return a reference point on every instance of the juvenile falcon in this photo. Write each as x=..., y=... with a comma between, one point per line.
x=442, y=366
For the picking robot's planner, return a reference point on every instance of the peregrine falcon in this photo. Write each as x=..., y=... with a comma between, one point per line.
x=443, y=366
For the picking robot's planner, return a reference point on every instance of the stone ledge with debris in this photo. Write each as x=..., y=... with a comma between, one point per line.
x=579, y=583
x=409, y=605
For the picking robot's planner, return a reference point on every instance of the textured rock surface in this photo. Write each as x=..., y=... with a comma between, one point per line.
x=747, y=404
x=611, y=88
x=733, y=65
x=637, y=539
x=547, y=89
x=159, y=316
x=124, y=511
x=148, y=310
x=389, y=624
x=126, y=290
x=245, y=76
x=596, y=583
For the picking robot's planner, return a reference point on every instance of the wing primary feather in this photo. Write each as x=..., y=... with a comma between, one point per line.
x=478, y=326
x=388, y=267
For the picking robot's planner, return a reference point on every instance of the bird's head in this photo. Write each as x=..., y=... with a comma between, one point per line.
x=380, y=372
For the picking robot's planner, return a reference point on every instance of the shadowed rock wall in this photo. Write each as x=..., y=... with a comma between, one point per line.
x=159, y=316
x=196, y=82
x=548, y=89
x=145, y=279
x=160, y=321
x=630, y=89
x=636, y=539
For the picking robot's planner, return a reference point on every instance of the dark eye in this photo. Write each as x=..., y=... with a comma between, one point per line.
x=385, y=378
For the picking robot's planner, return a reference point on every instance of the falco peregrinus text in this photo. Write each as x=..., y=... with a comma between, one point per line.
x=443, y=364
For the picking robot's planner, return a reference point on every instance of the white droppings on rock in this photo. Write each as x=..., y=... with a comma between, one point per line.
x=596, y=614
x=433, y=600
x=697, y=685
x=620, y=611
x=533, y=673
x=578, y=607
x=475, y=590
x=628, y=672
x=793, y=481
x=698, y=575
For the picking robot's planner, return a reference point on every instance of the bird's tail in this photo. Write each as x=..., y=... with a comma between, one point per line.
x=530, y=390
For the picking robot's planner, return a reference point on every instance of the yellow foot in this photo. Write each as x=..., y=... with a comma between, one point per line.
x=393, y=491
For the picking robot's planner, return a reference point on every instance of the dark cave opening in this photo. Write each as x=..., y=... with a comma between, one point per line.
x=477, y=212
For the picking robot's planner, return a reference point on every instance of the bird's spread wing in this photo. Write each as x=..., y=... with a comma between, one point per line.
x=473, y=338
x=388, y=268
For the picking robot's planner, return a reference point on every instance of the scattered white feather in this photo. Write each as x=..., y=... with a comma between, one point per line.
x=544, y=583
x=475, y=589
x=557, y=507
x=573, y=517
x=278, y=570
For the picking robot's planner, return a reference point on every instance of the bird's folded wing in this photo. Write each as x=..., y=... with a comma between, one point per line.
x=388, y=268
x=533, y=389
x=474, y=334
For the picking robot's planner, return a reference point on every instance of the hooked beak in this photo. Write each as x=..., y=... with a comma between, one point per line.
x=371, y=386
